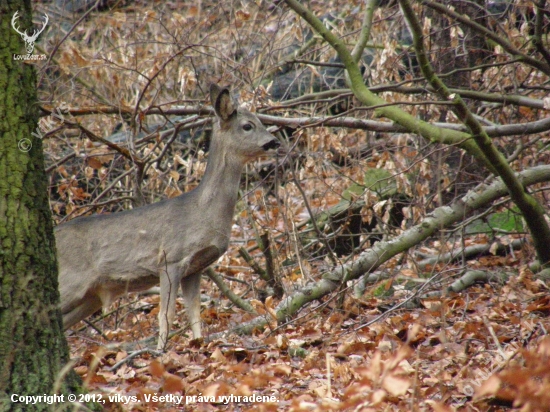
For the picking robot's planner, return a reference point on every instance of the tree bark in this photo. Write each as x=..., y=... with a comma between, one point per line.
x=33, y=350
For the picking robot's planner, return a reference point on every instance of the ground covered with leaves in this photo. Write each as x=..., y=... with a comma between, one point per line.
x=486, y=349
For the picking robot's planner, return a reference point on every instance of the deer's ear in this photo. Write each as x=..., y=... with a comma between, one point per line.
x=221, y=99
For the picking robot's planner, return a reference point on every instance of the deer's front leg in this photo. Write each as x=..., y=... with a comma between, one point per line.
x=191, y=289
x=169, y=283
x=191, y=285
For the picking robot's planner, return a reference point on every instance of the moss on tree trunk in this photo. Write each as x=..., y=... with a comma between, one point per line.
x=33, y=349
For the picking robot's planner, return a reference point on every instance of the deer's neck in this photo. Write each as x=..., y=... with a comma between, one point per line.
x=220, y=185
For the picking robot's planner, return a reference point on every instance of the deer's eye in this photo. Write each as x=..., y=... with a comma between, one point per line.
x=247, y=127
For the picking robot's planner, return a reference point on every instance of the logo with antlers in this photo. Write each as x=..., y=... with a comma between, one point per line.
x=29, y=40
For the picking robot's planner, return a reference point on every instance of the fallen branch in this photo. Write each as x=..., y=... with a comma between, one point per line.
x=382, y=251
x=468, y=252
x=471, y=277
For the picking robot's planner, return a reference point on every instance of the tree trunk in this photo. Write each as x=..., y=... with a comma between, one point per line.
x=33, y=349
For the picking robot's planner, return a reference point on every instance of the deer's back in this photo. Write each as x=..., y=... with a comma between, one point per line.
x=140, y=242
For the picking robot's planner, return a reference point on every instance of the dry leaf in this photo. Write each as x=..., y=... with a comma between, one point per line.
x=156, y=368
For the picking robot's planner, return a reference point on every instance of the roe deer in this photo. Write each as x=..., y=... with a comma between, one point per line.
x=104, y=256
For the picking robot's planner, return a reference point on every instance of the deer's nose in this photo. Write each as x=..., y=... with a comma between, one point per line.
x=273, y=144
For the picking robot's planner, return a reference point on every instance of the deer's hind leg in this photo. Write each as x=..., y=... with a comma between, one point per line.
x=90, y=304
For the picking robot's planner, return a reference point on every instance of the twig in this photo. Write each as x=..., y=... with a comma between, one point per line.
x=132, y=356
x=253, y=264
x=321, y=236
x=396, y=307
x=228, y=293
x=495, y=338
x=539, y=22
x=272, y=278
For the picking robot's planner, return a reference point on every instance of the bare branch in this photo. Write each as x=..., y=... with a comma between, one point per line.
x=530, y=208
x=538, y=64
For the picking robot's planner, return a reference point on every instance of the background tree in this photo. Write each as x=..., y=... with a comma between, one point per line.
x=33, y=350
